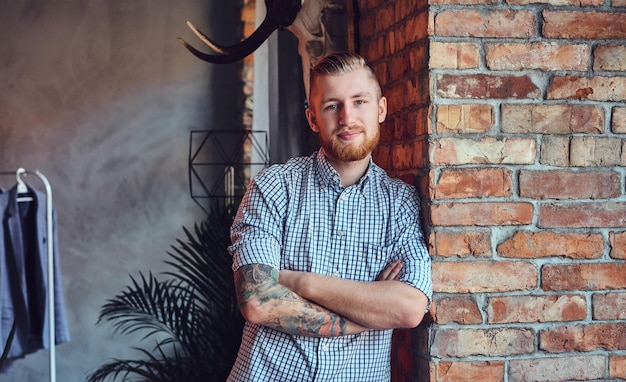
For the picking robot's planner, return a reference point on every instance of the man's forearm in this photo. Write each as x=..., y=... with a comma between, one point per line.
x=383, y=304
x=264, y=301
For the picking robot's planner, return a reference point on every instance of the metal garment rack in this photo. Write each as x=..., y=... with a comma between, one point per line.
x=50, y=242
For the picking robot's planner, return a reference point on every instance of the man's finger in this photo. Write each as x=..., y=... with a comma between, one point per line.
x=391, y=271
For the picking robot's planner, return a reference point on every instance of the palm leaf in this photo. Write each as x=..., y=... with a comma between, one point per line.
x=191, y=264
x=149, y=305
x=193, y=314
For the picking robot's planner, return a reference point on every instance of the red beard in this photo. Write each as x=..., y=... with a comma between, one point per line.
x=339, y=151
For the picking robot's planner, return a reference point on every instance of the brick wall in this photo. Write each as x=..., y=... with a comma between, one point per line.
x=394, y=41
x=248, y=18
x=511, y=119
x=528, y=211
x=524, y=157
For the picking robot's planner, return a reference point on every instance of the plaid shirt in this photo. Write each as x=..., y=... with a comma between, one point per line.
x=297, y=216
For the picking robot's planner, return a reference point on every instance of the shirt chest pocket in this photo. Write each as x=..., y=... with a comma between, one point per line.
x=369, y=261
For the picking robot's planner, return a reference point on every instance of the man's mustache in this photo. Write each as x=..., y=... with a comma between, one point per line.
x=343, y=129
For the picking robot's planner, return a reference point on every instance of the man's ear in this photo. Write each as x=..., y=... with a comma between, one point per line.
x=310, y=117
x=382, y=109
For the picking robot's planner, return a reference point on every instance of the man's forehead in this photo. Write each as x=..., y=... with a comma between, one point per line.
x=334, y=86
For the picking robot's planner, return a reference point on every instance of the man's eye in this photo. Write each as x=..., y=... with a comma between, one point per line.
x=331, y=107
x=359, y=101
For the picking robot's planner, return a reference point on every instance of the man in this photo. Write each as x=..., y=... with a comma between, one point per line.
x=327, y=250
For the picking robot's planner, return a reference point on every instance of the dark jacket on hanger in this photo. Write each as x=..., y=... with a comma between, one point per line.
x=24, y=275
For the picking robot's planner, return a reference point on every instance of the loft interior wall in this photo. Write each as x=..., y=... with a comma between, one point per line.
x=101, y=97
x=290, y=133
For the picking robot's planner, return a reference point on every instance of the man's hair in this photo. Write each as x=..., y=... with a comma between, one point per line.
x=339, y=63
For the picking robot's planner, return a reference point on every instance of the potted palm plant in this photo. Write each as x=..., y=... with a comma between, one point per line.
x=191, y=314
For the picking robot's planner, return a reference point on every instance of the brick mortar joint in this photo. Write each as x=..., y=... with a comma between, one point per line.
x=605, y=8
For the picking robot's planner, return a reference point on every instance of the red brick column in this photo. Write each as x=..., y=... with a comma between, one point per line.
x=394, y=40
x=521, y=165
x=527, y=177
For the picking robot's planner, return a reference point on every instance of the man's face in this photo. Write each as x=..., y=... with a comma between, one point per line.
x=346, y=111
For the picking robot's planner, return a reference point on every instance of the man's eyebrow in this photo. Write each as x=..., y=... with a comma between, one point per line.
x=357, y=95
x=330, y=99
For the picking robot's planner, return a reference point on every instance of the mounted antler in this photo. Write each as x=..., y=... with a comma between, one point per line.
x=280, y=14
x=321, y=26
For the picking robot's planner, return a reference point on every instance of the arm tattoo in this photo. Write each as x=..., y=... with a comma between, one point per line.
x=290, y=313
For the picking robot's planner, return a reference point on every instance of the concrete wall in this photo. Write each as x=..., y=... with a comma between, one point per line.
x=100, y=97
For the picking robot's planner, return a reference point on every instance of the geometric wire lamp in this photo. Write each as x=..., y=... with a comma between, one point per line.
x=221, y=164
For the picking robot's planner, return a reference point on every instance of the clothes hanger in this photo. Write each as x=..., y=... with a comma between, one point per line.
x=23, y=190
x=21, y=187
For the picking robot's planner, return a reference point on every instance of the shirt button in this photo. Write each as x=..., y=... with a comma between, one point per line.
x=325, y=348
x=340, y=233
x=343, y=197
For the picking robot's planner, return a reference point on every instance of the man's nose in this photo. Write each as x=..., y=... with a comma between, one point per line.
x=346, y=115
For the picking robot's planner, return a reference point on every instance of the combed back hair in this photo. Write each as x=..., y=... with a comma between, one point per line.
x=339, y=63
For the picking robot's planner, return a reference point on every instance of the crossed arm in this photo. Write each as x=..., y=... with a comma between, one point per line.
x=262, y=300
x=321, y=306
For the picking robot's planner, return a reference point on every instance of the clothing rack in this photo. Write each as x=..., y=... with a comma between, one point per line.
x=50, y=243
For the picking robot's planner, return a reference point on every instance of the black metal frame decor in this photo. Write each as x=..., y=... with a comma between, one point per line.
x=222, y=162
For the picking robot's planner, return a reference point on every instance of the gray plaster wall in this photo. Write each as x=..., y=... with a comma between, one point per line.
x=100, y=96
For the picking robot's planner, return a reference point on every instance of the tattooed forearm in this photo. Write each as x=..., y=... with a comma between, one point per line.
x=311, y=320
x=255, y=281
x=258, y=289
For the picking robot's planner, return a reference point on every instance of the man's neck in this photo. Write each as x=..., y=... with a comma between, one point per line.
x=350, y=172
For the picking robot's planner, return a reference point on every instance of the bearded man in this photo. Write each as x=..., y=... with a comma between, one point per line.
x=328, y=252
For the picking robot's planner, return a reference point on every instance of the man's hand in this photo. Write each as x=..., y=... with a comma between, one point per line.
x=290, y=279
x=391, y=271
